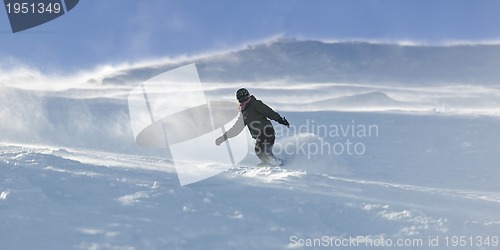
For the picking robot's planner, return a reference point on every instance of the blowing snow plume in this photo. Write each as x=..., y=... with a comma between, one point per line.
x=171, y=111
x=89, y=109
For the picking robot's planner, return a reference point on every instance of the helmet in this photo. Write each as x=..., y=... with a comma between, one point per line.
x=242, y=94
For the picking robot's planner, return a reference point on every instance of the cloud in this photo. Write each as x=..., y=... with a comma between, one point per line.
x=457, y=42
x=410, y=42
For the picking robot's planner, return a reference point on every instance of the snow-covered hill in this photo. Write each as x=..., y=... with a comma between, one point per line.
x=388, y=145
x=336, y=62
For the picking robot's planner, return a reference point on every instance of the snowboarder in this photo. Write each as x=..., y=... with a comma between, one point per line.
x=255, y=116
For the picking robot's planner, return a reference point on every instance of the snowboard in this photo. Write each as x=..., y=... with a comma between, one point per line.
x=264, y=164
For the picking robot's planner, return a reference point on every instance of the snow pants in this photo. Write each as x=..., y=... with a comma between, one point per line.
x=264, y=144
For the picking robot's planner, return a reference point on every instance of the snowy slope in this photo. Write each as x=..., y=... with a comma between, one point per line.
x=441, y=183
x=369, y=161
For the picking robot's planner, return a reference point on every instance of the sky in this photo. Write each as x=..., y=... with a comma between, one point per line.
x=100, y=32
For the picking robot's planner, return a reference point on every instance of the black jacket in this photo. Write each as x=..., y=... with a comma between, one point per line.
x=254, y=116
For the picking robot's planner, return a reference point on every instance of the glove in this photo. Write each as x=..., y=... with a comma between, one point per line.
x=219, y=140
x=283, y=121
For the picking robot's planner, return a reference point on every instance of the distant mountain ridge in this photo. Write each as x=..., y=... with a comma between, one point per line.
x=349, y=62
x=374, y=98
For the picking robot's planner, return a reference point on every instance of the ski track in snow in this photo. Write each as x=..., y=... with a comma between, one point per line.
x=490, y=197
x=270, y=174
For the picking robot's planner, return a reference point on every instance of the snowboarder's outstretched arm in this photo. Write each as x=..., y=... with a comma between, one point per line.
x=270, y=113
x=233, y=131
